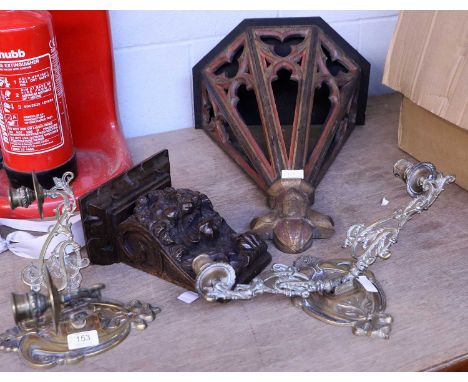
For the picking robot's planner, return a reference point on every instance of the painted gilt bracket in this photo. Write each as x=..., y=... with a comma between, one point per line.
x=279, y=95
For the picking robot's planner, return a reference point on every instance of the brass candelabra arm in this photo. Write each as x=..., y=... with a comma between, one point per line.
x=423, y=184
x=342, y=292
x=291, y=281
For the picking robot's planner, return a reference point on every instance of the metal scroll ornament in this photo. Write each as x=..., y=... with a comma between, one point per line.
x=65, y=261
x=64, y=328
x=280, y=97
x=342, y=292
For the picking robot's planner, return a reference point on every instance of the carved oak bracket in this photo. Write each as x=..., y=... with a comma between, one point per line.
x=139, y=219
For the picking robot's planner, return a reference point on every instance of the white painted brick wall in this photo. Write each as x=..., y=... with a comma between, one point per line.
x=155, y=51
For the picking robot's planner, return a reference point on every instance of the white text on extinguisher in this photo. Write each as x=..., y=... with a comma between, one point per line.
x=13, y=54
x=3, y=128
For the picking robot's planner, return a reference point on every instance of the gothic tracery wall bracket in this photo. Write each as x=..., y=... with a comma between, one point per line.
x=283, y=94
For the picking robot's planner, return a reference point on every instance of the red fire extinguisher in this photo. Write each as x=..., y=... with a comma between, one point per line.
x=34, y=124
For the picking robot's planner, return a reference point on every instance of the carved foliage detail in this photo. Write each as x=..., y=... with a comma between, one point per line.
x=185, y=225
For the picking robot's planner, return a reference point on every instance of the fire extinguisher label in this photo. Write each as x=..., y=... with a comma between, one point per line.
x=29, y=106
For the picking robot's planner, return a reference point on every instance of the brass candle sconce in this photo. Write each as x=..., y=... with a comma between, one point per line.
x=343, y=291
x=280, y=97
x=65, y=328
x=69, y=323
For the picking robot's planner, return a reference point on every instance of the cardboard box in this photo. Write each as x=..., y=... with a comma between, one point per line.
x=428, y=63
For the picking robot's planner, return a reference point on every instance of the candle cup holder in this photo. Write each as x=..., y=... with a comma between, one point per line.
x=343, y=291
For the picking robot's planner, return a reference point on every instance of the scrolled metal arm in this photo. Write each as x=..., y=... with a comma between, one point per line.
x=376, y=239
x=424, y=184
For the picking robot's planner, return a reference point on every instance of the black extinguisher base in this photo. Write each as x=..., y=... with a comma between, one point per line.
x=45, y=178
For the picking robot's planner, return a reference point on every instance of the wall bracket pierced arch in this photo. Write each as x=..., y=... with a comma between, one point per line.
x=283, y=94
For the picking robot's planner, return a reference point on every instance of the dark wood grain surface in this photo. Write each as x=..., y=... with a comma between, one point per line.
x=425, y=280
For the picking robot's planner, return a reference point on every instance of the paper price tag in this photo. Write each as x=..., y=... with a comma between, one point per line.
x=82, y=340
x=188, y=297
x=367, y=284
x=292, y=174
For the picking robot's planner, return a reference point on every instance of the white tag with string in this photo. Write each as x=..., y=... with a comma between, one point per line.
x=384, y=202
x=292, y=174
x=367, y=284
x=188, y=297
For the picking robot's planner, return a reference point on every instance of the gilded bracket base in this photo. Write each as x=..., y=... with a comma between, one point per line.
x=293, y=224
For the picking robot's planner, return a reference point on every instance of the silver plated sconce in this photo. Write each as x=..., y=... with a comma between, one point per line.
x=342, y=291
x=280, y=97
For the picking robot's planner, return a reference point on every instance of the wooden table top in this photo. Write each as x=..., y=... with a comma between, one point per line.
x=425, y=280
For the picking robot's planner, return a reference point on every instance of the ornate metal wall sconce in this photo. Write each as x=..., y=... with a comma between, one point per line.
x=283, y=94
x=138, y=219
x=341, y=292
x=65, y=328
x=65, y=261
